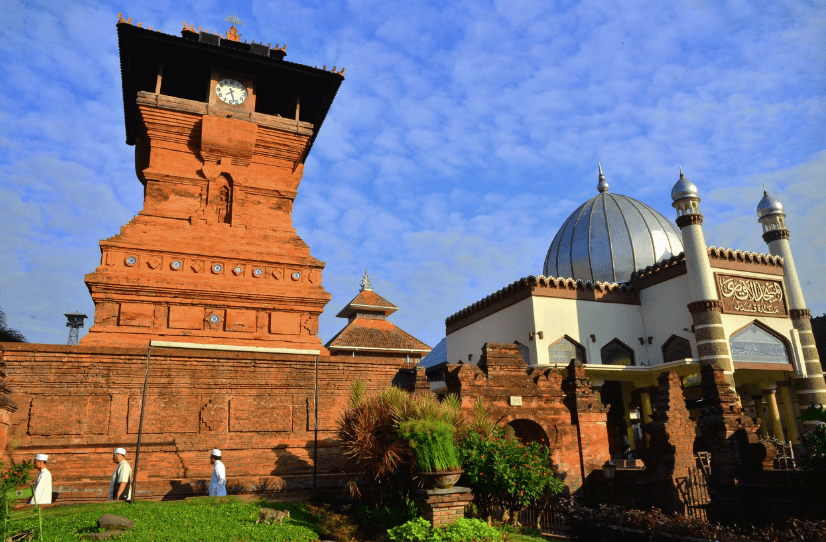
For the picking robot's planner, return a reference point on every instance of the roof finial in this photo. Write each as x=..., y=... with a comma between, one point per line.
x=602, y=186
x=681, y=172
x=365, y=283
x=765, y=192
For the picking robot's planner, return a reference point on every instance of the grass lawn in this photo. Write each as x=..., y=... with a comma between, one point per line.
x=214, y=519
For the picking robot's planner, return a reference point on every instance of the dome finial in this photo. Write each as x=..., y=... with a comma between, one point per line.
x=365, y=283
x=684, y=188
x=602, y=185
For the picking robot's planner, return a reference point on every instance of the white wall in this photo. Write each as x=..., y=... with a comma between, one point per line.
x=510, y=324
x=665, y=312
x=581, y=319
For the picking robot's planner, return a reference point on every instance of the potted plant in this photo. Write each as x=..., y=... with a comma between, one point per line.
x=435, y=452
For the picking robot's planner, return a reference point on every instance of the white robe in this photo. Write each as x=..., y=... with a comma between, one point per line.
x=42, y=488
x=218, y=482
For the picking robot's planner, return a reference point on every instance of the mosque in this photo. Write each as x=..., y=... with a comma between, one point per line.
x=630, y=296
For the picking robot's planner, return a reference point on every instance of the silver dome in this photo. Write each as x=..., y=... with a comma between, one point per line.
x=609, y=237
x=768, y=206
x=684, y=188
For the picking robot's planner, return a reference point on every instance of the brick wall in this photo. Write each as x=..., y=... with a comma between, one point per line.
x=564, y=413
x=78, y=403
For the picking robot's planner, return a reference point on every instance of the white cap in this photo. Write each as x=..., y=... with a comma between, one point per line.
x=120, y=451
x=41, y=457
x=216, y=452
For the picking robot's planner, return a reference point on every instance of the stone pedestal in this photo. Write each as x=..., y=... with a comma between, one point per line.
x=442, y=506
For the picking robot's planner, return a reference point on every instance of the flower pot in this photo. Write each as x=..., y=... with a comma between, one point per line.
x=440, y=480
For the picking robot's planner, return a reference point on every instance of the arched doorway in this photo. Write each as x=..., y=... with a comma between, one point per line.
x=526, y=431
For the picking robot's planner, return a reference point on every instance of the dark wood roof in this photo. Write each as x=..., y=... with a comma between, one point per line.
x=187, y=62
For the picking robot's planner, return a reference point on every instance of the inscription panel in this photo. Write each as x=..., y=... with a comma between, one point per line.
x=69, y=415
x=747, y=295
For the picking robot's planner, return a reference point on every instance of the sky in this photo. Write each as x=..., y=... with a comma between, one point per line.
x=463, y=135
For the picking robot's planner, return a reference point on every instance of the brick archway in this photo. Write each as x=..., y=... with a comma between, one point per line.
x=526, y=428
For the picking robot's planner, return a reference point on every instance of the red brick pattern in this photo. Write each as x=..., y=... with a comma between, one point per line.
x=213, y=256
x=566, y=411
x=78, y=403
x=442, y=507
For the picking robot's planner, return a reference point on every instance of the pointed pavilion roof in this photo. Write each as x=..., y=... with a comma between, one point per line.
x=373, y=334
x=367, y=299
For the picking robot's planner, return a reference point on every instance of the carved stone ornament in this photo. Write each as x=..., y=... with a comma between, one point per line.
x=277, y=273
x=689, y=220
x=154, y=262
x=774, y=235
x=746, y=295
x=197, y=266
x=800, y=314
x=705, y=306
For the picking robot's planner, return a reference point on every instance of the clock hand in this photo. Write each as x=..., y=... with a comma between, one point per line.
x=231, y=94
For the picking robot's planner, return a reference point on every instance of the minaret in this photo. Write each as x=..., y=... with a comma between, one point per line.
x=810, y=388
x=705, y=306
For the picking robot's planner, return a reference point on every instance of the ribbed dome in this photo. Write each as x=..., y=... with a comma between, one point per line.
x=609, y=237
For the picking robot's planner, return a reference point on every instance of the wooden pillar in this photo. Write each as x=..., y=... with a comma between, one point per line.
x=788, y=413
x=761, y=414
x=773, y=414
x=626, y=388
x=647, y=410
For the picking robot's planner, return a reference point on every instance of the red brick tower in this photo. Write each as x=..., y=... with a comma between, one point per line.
x=221, y=131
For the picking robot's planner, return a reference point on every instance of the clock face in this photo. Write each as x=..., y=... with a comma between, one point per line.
x=231, y=91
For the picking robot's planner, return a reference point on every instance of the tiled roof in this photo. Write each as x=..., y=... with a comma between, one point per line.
x=367, y=299
x=367, y=334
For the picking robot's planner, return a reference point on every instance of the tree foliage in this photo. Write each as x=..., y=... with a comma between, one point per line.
x=7, y=334
x=815, y=439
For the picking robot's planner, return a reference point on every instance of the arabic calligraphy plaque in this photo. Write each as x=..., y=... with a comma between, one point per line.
x=747, y=295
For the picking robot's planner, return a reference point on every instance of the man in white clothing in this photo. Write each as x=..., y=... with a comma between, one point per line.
x=120, y=486
x=43, y=485
x=218, y=482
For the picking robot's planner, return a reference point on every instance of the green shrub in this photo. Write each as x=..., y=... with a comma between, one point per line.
x=815, y=439
x=469, y=530
x=500, y=467
x=463, y=530
x=415, y=530
x=387, y=517
x=12, y=477
x=432, y=444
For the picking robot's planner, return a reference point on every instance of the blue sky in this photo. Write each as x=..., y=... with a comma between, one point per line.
x=462, y=137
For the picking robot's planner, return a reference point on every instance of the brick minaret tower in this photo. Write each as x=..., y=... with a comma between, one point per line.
x=705, y=305
x=810, y=387
x=221, y=131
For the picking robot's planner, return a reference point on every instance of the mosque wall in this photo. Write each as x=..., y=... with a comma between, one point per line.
x=664, y=313
x=512, y=323
x=579, y=320
x=78, y=403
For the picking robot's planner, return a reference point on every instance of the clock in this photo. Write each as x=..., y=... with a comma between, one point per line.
x=231, y=91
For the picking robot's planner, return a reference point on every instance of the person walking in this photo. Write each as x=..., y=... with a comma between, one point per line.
x=218, y=482
x=43, y=485
x=120, y=487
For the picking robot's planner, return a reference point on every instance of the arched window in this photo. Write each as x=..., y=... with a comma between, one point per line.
x=616, y=353
x=676, y=348
x=753, y=344
x=564, y=350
